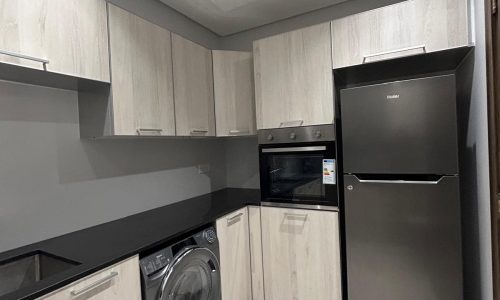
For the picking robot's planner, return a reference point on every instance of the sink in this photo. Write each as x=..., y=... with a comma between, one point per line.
x=27, y=269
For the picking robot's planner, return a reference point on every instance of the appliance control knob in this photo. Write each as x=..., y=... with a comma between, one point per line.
x=292, y=136
x=210, y=236
x=317, y=134
x=270, y=137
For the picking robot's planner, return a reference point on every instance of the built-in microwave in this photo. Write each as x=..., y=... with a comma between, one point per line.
x=298, y=167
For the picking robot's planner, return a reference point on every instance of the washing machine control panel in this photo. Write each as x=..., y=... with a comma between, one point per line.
x=156, y=261
x=210, y=236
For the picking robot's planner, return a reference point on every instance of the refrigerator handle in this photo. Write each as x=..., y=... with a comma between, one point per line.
x=399, y=181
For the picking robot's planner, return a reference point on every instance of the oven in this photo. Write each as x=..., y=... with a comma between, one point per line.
x=298, y=167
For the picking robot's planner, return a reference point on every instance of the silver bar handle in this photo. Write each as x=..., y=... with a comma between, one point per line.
x=294, y=149
x=239, y=132
x=430, y=182
x=94, y=285
x=295, y=216
x=294, y=123
x=32, y=58
x=142, y=131
x=234, y=218
x=199, y=131
x=423, y=47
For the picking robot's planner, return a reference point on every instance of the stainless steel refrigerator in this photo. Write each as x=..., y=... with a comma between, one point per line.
x=401, y=190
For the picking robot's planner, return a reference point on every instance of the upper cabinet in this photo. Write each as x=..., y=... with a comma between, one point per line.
x=62, y=36
x=234, y=93
x=193, y=88
x=141, y=67
x=293, y=78
x=406, y=28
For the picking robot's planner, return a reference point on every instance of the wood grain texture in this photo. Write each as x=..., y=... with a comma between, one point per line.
x=293, y=78
x=141, y=65
x=256, y=253
x=301, y=254
x=437, y=24
x=126, y=285
x=193, y=87
x=234, y=93
x=234, y=248
x=71, y=34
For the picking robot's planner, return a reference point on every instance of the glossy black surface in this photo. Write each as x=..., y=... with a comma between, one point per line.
x=103, y=245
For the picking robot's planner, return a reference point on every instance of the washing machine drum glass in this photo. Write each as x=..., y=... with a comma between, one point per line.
x=194, y=275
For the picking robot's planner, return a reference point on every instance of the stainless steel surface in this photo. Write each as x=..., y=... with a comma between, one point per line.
x=29, y=269
x=423, y=47
x=32, y=58
x=294, y=149
x=302, y=206
x=295, y=123
x=403, y=127
x=149, y=131
x=94, y=285
x=403, y=241
x=319, y=133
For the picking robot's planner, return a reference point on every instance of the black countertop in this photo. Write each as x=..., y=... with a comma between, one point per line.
x=101, y=246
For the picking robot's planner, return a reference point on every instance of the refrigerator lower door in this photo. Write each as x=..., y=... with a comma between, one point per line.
x=403, y=239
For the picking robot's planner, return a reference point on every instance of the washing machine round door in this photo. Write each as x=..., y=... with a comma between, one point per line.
x=193, y=275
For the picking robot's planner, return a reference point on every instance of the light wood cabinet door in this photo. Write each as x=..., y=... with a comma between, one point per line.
x=234, y=93
x=406, y=28
x=294, y=78
x=232, y=231
x=193, y=88
x=141, y=66
x=301, y=254
x=72, y=35
x=118, y=282
x=256, y=253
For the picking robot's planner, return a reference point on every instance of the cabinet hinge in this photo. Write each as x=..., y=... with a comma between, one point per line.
x=494, y=7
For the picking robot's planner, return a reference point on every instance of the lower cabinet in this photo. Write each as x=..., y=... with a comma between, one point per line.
x=233, y=233
x=301, y=254
x=118, y=282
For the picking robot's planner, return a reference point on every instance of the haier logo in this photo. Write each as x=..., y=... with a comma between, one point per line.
x=392, y=97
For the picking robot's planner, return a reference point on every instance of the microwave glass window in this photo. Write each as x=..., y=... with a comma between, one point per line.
x=296, y=176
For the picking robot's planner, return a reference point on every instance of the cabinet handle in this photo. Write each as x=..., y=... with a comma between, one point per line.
x=292, y=123
x=18, y=55
x=94, y=285
x=149, y=131
x=423, y=47
x=239, y=132
x=199, y=132
x=234, y=218
x=293, y=216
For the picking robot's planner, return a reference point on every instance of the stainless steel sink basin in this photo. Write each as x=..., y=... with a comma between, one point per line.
x=27, y=269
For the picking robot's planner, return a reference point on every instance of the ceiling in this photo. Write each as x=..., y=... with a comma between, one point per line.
x=225, y=17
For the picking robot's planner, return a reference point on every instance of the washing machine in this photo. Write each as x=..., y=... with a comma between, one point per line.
x=186, y=270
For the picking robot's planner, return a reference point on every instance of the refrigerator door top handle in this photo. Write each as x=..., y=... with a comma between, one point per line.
x=400, y=181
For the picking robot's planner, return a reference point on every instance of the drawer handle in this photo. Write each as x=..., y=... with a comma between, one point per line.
x=423, y=47
x=234, y=219
x=94, y=285
x=149, y=131
x=292, y=216
x=295, y=123
x=239, y=132
x=199, y=132
x=18, y=55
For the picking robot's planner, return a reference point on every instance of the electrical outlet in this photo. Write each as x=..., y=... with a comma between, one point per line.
x=203, y=169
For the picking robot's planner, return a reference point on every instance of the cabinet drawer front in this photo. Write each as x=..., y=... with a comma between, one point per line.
x=119, y=282
x=301, y=254
x=232, y=231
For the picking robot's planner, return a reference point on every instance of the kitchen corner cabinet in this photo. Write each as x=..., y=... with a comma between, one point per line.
x=234, y=248
x=406, y=28
x=71, y=35
x=301, y=254
x=234, y=93
x=193, y=88
x=141, y=66
x=118, y=282
x=294, y=78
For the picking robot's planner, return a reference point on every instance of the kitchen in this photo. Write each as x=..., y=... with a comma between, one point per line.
x=79, y=153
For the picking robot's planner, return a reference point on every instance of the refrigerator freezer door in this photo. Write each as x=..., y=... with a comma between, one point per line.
x=403, y=127
x=403, y=239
